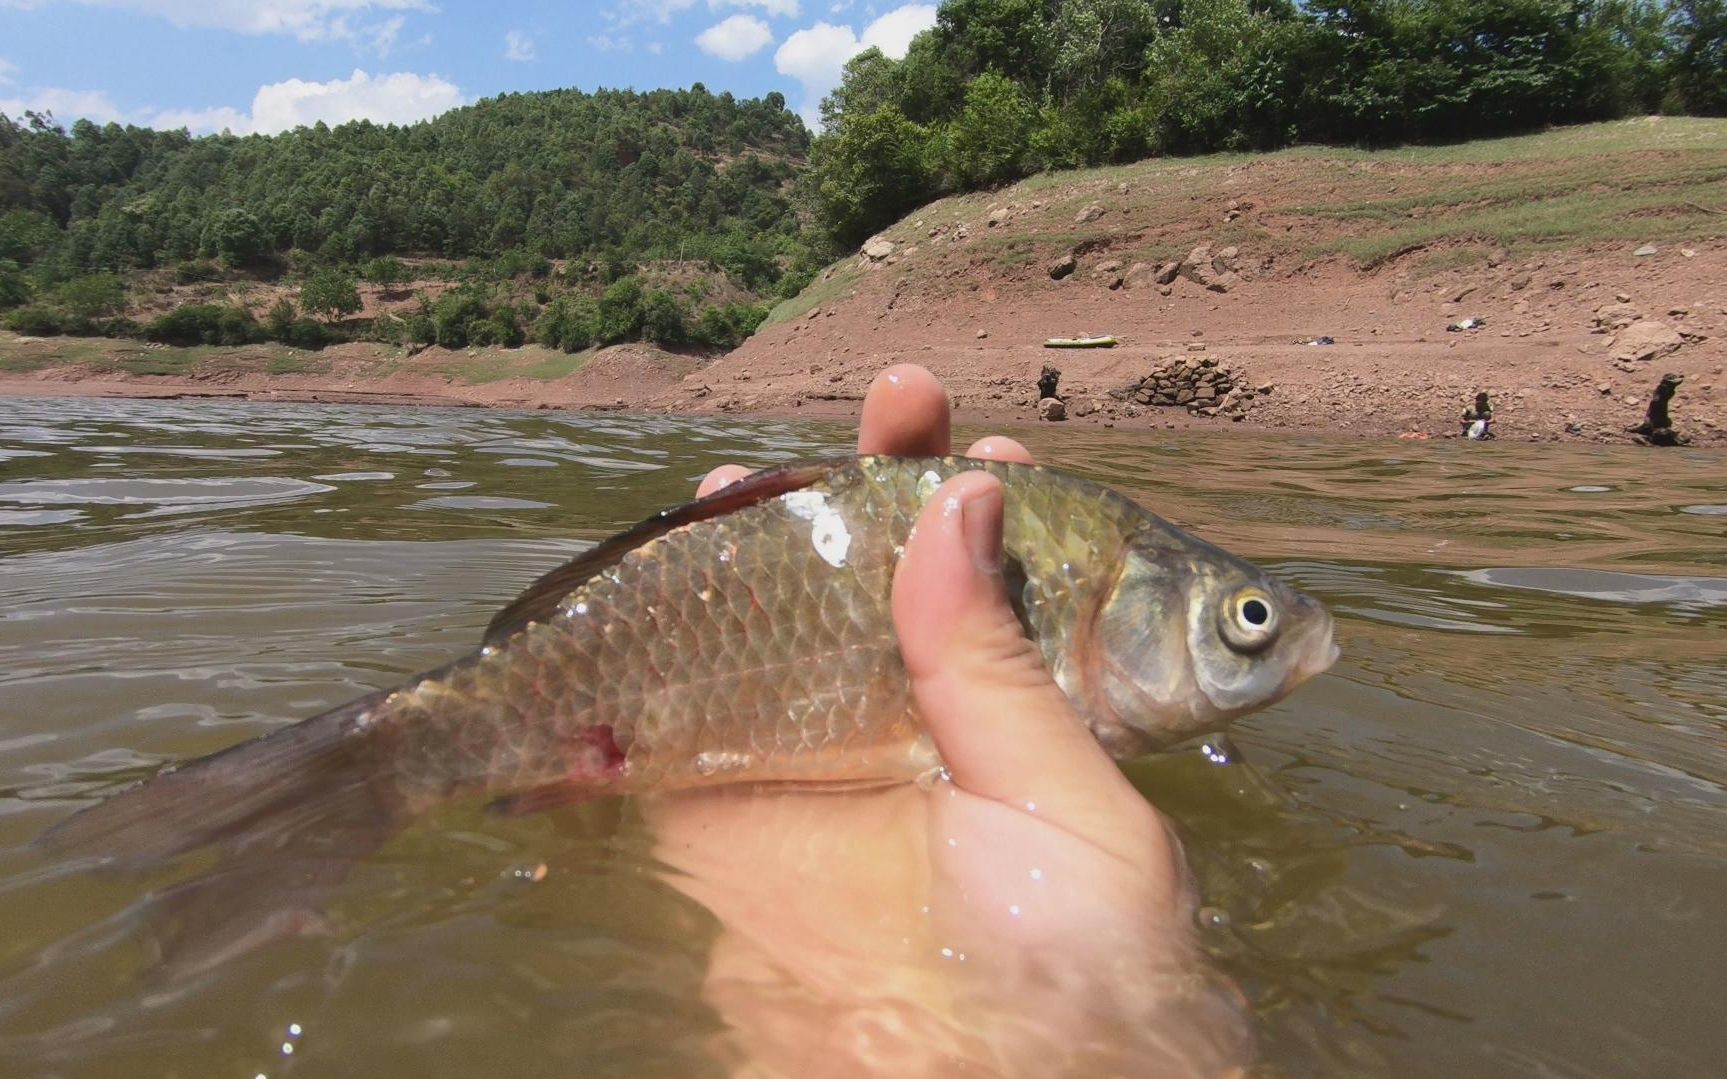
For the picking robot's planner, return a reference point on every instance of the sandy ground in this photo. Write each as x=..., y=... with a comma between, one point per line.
x=1394, y=370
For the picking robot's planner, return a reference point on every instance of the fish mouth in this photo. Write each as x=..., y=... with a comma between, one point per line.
x=1319, y=647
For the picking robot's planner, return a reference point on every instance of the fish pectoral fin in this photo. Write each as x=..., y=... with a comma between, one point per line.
x=550, y=796
x=542, y=598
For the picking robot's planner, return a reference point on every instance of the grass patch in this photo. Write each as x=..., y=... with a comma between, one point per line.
x=495, y=366
x=297, y=363
x=844, y=276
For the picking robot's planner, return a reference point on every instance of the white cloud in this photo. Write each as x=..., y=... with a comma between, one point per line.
x=399, y=98
x=628, y=13
x=656, y=47
x=307, y=20
x=201, y=121
x=816, y=56
x=736, y=38
x=892, y=33
x=610, y=42
x=780, y=9
x=384, y=35
x=65, y=105
x=519, y=47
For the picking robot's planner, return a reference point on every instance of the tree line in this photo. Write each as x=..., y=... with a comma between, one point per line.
x=549, y=212
x=605, y=183
x=1000, y=89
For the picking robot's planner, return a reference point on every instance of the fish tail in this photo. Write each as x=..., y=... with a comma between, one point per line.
x=317, y=784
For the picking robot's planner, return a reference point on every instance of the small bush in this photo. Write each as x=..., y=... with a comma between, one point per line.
x=205, y=324
x=34, y=322
x=306, y=333
x=196, y=271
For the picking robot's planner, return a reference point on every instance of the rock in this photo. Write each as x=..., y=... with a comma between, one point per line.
x=961, y=233
x=1085, y=407
x=1265, y=388
x=998, y=216
x=1089, y=214
x=1644, y=340
x=1605, y=389
x=1062, y=266
x=1115, y=281
x=1167, y=273
x=1138, y=275
x=878, y=249
x=981, y=334
x=1616, y=316
x=1051, y=408
x=1458, y=295
x=1213, y=271
x=1109, y=266
x=1622, y=297
x=1646, y=250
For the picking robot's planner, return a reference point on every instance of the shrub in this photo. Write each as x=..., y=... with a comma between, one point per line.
x=34, y=322
x=204, y=324
x=196, y=271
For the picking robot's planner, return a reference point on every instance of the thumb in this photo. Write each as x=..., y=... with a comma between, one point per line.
x=1004, y=728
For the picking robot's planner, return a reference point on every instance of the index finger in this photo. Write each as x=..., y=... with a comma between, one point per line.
x=905, y=414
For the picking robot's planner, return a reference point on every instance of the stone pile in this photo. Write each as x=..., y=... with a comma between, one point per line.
x=1197, y=384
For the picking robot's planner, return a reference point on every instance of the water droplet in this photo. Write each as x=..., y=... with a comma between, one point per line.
x=952, y=842
x=294, y=1030
x=1031, y=807
x=947, y=953
x=1220, y=750
x=287, y=1049
x=1013, y=909
x=1213, y=918
x=1037, y=874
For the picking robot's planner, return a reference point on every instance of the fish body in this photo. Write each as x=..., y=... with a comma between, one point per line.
x=748, y=638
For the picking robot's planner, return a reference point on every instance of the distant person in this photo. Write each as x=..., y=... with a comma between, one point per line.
x=1478, y=419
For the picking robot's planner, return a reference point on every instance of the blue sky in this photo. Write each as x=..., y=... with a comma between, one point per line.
x=268, y=65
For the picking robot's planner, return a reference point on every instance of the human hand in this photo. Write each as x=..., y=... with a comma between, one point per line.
x=1027, y=914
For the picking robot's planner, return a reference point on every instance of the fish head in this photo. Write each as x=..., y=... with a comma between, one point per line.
x=1191, y=637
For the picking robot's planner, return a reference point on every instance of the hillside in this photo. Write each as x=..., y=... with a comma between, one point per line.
x=1535, y=236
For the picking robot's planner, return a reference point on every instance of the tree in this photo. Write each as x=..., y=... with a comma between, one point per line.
x=987, y=141
x=237, y=236
x=330, y=293
x=875, y=169
x=1699, y=62
x=94, y=296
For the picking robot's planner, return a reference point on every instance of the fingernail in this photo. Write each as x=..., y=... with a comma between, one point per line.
x=980, y=524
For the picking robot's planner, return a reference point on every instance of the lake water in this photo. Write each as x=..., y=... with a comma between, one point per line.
x=1492, y=841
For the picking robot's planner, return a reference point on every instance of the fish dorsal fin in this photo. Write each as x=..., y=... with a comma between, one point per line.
x=541, y=599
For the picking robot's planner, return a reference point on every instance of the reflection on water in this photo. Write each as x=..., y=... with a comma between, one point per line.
x=1490, y=842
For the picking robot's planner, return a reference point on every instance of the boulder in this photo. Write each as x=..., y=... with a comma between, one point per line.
x=1051, y=408
x=1089, y=214
x=998, y=216
x=1644, y=340
x=1062, y=266
x=878, y=249
x=1616, y=316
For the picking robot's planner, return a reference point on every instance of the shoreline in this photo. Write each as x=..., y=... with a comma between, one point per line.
x=767, y=400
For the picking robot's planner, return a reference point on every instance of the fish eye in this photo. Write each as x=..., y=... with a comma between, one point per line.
x=1249, y=621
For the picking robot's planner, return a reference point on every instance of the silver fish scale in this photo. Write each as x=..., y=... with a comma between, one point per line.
x=756, y=646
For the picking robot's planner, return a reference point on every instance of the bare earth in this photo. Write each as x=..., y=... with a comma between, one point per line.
x=965, y=289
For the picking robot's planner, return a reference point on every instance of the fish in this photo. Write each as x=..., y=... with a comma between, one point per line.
x=744, y=638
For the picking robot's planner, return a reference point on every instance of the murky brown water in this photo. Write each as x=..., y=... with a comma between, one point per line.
x=1491, y=842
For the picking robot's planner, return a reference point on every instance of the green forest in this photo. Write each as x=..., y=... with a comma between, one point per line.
x=680, y=216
